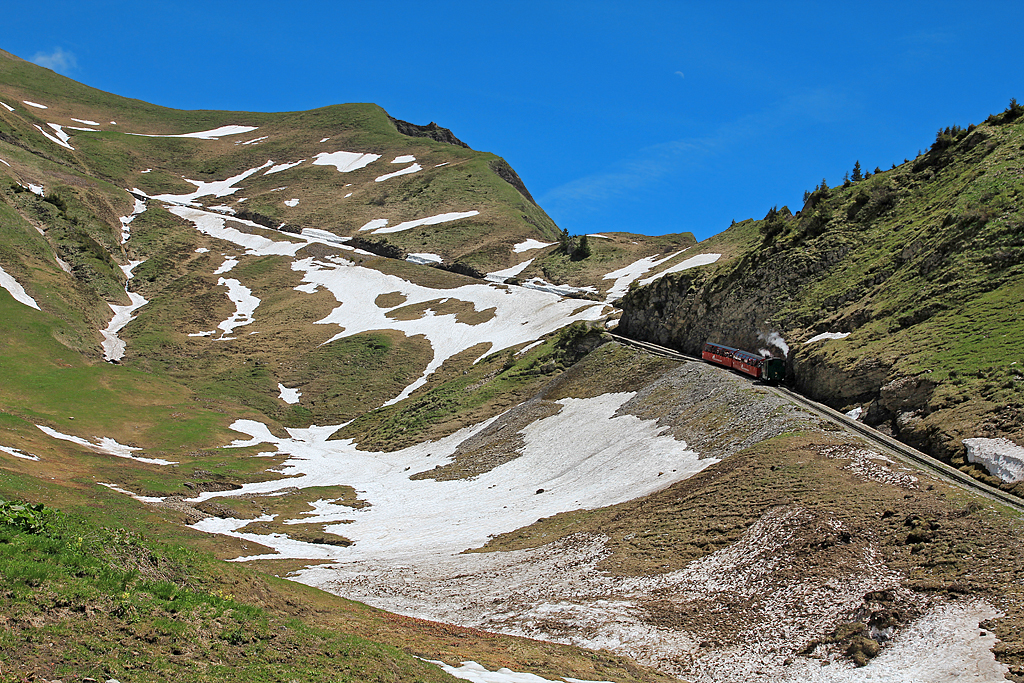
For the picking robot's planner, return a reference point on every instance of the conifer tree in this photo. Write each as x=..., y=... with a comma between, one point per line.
x=857, y=175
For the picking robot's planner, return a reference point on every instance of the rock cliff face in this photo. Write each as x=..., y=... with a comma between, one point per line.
x=896, y=294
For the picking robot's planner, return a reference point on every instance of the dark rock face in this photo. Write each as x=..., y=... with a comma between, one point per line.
x=431, y=130
x=508, y=174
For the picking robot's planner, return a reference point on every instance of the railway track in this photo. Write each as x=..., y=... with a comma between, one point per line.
x=900, y=450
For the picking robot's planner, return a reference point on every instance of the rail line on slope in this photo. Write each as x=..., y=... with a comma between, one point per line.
x=907, y=454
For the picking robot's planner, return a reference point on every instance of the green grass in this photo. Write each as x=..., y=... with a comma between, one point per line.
x=127, y=609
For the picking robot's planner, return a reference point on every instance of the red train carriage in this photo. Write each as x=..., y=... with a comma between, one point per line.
x=758, y=367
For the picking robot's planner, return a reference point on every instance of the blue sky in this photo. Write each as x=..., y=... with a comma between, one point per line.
x=650, y=117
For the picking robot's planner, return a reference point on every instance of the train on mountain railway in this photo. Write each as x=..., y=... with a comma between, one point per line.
x=764, y=368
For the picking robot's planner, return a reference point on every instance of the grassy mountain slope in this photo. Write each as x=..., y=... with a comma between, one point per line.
x=355, y=421
x=921, y=267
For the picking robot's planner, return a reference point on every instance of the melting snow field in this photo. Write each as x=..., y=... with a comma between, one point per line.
x=113, y=346
x=531, y=244
x=105, y=445
x=1001, y=457
x=826, y=336
x=379, y=225
x=19, y=454
x=345, y=162
x=618, y=458
x=471, y=671
x=15, y=289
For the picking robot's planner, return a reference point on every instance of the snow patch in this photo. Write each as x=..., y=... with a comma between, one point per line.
x=35, y=189
x=106, y=446
x=16, y=290
x=126, y=221
x=1001, y=457
x=255, y=141
x=405, y=171
x=692, y=262
x=502, y=275
x=204, y=134
x=245, y=306
x=34, y=104
x=85, y=122
x=531, y=244
x=229, y=263
x=218, y=188
x=345, y=162
x=113, y=346
x=404, y=159
x=424, y=259
x=431, y=220
x=290, y=396
x=618, y=458
x=827, y=335
x=471, y=671
x=6, y=106
x=291, y=202
x=277, y=168
x=19, y=454
x=628, y=274
x=61, y=138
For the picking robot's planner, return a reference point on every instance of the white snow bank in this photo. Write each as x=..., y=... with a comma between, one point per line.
x=431, y=220
x=126, y=221
x=18, y=453
x=36, y=189
x=214, y=225
x=245, y=306
x=61, y=138
x=85, y=122
x=204, y=134
x=827, y=335
x=1001, y=457
x=534, y=313
x=277, y=168
x=218, y=188
x=405, y=171
x=943, y=646
x=502, y=275
x=229, y=263
x=692, y=262
x=4, y=162
x=291, y=202
x=404, y=159
x=16, y=290
x=374, y=224
x=87, y=130
x=597, y=234
x=7, y=106
x=471, y=671
x=106, y=446
x=617, y=458
x=255, y=141
x=531, y=244
x=141, y=499
x=34, y=104
x=627, y=274
x=345, y=161
x=113, y=346
x=424, y=259
x=542, y=285
x=287, y=395
x=855, y=413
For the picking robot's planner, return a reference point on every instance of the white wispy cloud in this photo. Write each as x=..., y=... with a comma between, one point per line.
x=655, y=163
x=59, y=60
x=680, y=74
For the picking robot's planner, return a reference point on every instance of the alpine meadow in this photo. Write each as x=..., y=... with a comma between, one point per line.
x=327, y=396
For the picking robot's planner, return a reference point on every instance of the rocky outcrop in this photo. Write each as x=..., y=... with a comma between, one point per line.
x=431, y=130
